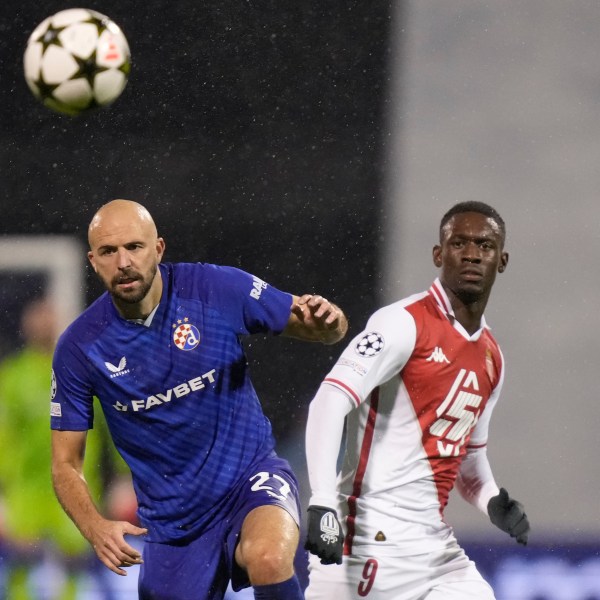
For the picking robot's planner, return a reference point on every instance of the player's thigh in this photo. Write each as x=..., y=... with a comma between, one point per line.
x=271, y=492
x=267, y=531
x=328, y=582
x=193, y=571
x=461, y=583
x=441, y=575
x=462, y=590
x=376, y=578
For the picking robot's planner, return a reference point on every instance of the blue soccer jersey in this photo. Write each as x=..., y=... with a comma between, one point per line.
x=176, y=394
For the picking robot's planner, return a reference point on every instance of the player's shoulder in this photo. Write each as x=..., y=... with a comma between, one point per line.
x=398, y=309
x=97, y=316
x=201, y=278
x=395, y=318
x=203, y=270
x=90, y=324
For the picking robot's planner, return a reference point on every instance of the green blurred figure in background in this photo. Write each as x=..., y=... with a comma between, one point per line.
x=43, y=555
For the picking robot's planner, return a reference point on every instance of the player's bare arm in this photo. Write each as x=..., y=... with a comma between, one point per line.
x=314, y=318
x=105, y=536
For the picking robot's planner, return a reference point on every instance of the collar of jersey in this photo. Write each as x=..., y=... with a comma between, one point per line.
x=438, y=293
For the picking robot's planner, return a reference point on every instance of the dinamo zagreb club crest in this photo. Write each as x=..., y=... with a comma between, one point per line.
x=186, y=336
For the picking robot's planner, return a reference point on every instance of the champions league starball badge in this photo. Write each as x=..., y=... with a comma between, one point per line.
x=370, y=344
x=53, y=386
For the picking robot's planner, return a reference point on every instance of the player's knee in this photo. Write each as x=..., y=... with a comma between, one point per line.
x=267, y=564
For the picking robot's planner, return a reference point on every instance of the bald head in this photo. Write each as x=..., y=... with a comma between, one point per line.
x=119, y=214
x=125, y=251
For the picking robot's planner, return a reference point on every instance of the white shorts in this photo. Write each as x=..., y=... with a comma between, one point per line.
x=442, y=575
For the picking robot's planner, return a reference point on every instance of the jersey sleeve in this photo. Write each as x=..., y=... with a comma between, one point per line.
x=475, y=481
x=248, y=303
x=376, y=354
x=71, y=402
x=324, y=431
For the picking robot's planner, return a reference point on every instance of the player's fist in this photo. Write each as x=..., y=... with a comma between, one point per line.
x=324, y=536
x=509, y=515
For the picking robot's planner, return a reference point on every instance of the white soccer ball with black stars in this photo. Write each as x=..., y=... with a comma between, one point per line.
x=370, y=344
x=77, y=60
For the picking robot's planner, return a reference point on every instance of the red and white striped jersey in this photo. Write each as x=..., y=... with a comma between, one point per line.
x=423, y=390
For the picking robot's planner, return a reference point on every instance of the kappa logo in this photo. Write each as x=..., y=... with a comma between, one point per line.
x=438, y=356
x=119, y=370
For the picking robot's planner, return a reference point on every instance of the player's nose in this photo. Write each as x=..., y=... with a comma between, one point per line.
x=123, y=258
x=472, y=252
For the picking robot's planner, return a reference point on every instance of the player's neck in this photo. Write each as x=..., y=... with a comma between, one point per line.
x=468, y=312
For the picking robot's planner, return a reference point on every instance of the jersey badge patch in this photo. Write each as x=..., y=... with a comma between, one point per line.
x=370, y=344
x=185, y=335
x=53, y=385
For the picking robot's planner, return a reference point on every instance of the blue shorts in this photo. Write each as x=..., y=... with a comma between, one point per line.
x=201, y=568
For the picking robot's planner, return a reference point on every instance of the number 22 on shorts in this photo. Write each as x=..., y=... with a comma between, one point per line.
x=368, y=577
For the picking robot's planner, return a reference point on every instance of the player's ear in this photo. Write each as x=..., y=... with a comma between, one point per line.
x=90, y=256
x=503, y=262
x=437, y=255
x=160, y=248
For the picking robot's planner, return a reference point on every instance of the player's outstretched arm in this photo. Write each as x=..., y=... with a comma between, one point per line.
x=105, y=536
x=324, y=431
x=509, y=515
x=314, y=318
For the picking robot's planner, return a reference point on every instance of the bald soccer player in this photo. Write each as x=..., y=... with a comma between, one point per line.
x=161, y=350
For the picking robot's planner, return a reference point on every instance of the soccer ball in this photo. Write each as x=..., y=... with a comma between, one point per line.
x=77, y=60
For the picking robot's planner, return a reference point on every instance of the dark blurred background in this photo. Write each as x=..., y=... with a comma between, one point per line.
x=252, y=132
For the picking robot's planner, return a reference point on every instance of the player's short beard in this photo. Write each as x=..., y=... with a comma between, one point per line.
x=142, y=292
x=472, y=296
x=467, y=297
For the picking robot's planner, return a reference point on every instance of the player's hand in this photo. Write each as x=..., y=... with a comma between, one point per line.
x=324, y=538
x=509, y=515
x=108, y=540
x=320, y=315
x=316, y=309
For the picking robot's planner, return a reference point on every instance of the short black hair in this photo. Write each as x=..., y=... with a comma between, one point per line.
x=477, y=207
